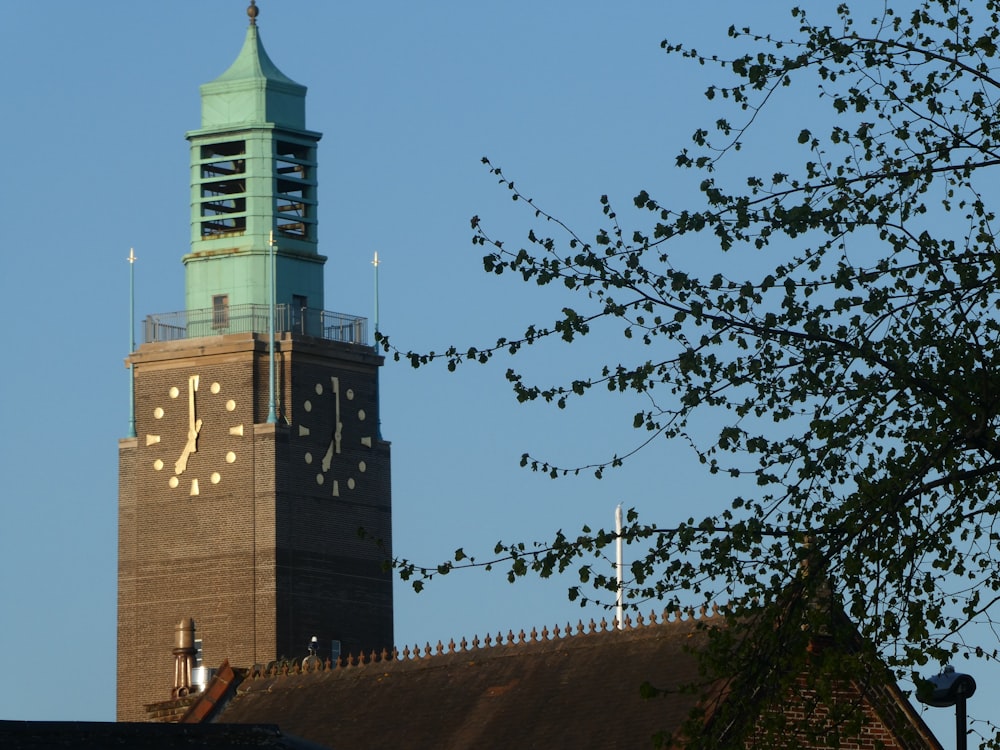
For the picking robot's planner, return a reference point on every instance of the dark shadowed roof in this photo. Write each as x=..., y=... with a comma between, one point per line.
x=580, y=691
x=554, y=690
x=78, y=735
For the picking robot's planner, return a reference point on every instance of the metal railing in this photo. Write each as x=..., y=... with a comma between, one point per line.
x=253, y=318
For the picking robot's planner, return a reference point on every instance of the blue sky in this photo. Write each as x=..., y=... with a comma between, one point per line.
x=573, y=100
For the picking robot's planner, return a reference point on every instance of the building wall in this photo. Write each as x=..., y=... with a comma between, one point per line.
x=263, y=557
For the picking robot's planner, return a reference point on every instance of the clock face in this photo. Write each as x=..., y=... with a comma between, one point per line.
x=335, y=431
x=194, y=440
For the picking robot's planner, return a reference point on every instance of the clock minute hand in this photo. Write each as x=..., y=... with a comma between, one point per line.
x=338, y=426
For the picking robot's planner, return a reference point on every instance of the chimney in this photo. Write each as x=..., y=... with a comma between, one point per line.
x=184, y=654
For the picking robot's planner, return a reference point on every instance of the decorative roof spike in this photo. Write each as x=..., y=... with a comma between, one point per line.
x=555, y=631
x=520, y=636
x=534, y=635
x=652, y=617
x=451, y=646
x=439, y=649
x=579, y=627
x=406, y=652
x=593, y=626
x=253, y=11
x=638, y=619
x=475, y=641
x=604, y=625
x=488, y=640
x=545, y=633
x=464, y=644
x=628, y=622
x=510, y=637
x=427, y=649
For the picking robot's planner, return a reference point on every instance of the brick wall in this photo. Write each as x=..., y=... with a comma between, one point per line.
x=245, y=540
x=843, y=716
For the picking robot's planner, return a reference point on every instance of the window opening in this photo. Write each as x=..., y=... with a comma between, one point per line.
x=295, y=192
x=223, y=188
x=299, y=305
x=220, y=311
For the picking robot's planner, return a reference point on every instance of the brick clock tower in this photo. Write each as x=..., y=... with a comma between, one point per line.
x=257, y=456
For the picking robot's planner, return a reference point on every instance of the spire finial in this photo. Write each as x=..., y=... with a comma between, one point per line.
x=253, y=11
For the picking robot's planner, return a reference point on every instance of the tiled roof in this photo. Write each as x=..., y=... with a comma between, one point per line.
x=551, y=690
x=573, y=688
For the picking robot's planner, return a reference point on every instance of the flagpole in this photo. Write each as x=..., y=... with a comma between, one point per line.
x=378, y=423
x=131, y=342
x=271, y=416
x=619, y=570
x=375, y=263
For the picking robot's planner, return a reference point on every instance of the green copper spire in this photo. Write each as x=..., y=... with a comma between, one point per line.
x=253, y=90
x=253, y=175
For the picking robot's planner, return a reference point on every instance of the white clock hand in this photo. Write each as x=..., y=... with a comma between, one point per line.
x=338, y=425
x=191, y=447
x=328, y=458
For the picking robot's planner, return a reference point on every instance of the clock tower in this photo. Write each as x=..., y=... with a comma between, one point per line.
x=254, y=496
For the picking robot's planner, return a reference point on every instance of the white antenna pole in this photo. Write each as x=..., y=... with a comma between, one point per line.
x=619, y=609
x=271, y=294
x=375, y=263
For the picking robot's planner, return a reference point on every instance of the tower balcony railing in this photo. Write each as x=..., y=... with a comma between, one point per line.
x=253, y=318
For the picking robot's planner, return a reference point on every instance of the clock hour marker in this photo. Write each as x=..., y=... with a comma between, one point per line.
x=194, y=488
x=216, y=478
x=362, y=467
x=303, y=431
x=230, y=458
x=366, y=441
x=158, y=465
x=361, y=415
x=230, y=405
x=175, y=392
x=174, y=481
x=309, y=458
x=336, y=488
x=158, y=413
x=350, y=394
x=215, y=388
x=319, y=390
x=237, y=430
x=308, y=404
x=152, y=440
x=320, y=479
x=350, y=484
